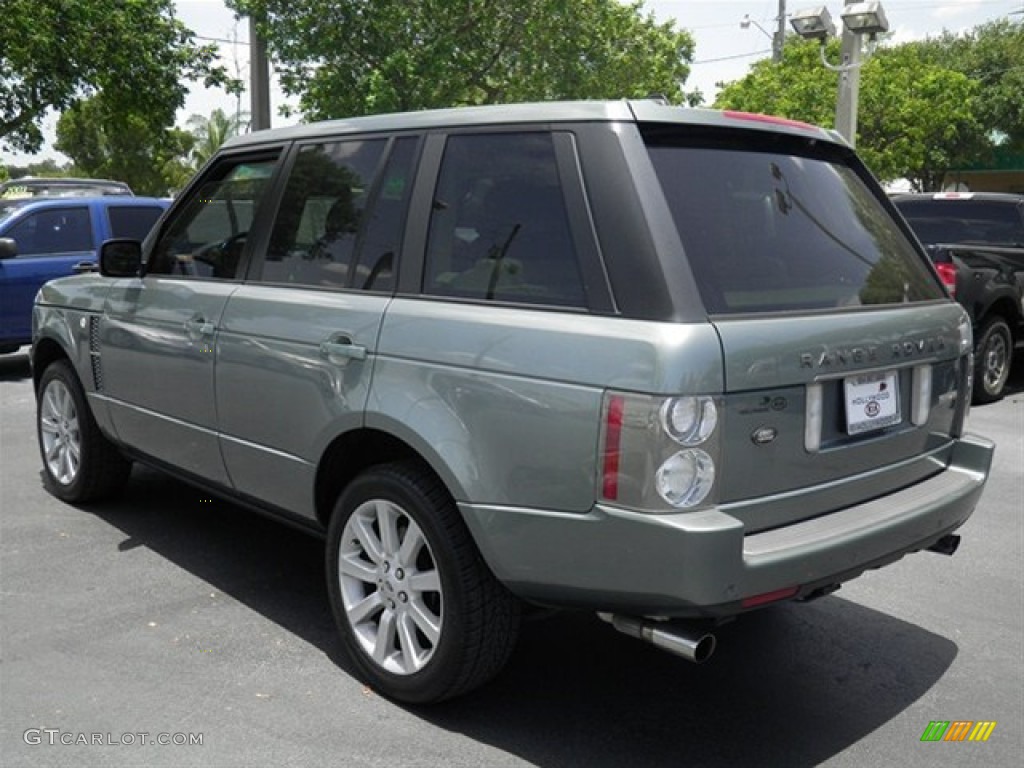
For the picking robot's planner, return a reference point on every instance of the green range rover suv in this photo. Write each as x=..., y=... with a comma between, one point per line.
x=662, y=364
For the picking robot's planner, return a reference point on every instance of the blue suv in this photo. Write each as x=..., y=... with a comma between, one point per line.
x=41, y=239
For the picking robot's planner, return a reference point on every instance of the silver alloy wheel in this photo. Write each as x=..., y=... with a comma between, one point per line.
x=996, y=358
x=60, y=433
x=390, y=587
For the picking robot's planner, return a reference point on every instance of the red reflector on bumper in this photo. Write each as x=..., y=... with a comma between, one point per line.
x=769, y=597
x=612, y=440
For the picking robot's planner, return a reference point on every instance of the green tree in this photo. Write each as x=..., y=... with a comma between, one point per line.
x=210, y=132
x=916, y=118
x=993, y=56
x=53, y=53
x=105, y=141
x=351, y=57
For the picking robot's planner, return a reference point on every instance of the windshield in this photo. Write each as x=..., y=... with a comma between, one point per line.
x=766, y=229
x=7, y=207
x=964, y=221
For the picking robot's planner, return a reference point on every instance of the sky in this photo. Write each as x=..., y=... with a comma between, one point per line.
x=724, y=50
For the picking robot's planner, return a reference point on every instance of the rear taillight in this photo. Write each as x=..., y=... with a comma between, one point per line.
x=659, y=453
x=947, y=273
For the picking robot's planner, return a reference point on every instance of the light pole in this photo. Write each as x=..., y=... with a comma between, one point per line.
x=778, y=38
x=860, y=20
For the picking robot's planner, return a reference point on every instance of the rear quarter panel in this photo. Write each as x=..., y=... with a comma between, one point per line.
x=506, y=402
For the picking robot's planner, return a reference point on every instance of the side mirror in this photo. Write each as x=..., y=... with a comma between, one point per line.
x=8, y=248
x=121, y=258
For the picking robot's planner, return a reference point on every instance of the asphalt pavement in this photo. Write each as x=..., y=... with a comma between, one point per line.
x=171, y=629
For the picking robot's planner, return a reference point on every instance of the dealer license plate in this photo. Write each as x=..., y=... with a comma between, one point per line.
x=872, y=402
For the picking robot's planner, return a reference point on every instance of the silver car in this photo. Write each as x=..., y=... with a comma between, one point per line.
x=663, y=364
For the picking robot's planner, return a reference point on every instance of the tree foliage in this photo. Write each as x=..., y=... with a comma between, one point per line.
x=54, y=53
x=916, y=118
x=993, y=56
x=212, y=131
x=105, y=141
x=352, y=57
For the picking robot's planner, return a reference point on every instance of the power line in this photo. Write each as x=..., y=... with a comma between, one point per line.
x=730, y=58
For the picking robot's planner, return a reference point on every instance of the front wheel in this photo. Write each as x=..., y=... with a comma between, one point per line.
x=993, y=358
x=79, y=463
x=421, y=615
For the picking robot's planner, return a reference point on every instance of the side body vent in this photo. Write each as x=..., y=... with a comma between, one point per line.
x=94, y=353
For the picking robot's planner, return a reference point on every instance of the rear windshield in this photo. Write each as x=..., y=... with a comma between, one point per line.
x=964, y=221
x=784, y=226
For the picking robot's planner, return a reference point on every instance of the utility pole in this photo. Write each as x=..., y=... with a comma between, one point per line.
x=778, y=39
x=849, y=86
x=259, y=79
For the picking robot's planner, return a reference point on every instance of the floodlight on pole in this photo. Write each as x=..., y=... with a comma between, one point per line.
x=860, y=20
x=865, y=18
x=813, y=23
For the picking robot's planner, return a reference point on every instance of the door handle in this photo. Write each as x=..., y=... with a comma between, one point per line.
x=84, y=266
x=199, y=327
x=342, y=346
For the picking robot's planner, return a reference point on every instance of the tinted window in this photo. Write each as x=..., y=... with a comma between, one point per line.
x=56, y=230
x=775, y=230
x=132, y=222
x=498, y=227
x=338, y=228
x=963, y=221
x=207, y=234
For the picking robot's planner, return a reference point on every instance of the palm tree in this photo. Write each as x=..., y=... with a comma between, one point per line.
x=212, y=131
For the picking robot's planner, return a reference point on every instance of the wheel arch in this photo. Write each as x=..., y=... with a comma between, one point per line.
x=1003, y=307
x=45, y=352
x=354, y=451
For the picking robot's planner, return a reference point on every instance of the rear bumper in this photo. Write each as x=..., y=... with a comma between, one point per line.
x=702, y=563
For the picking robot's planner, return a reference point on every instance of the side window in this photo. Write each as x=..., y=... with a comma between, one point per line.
x=498, y=228
x=207, y=235
x=132, y=221
x=322, y=214
x=56, y=230
x=378, y=252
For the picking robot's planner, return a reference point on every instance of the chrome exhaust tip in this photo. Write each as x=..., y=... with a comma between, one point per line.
x=691, y=644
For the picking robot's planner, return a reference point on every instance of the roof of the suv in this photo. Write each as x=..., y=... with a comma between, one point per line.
x=539, y=112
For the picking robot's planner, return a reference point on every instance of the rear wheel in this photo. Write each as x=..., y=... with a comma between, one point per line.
x=421, y=615
x=79, y=463
x=993, y=357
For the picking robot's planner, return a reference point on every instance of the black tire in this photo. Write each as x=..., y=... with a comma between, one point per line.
x=79, y=463
x=993, y=358
x=433, y=643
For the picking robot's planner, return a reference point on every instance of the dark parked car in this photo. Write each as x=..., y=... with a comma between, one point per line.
x=976, y=240
x=45, y=238
x=32, y=186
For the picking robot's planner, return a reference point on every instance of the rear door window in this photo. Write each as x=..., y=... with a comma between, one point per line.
x=133, y=222
x=341, y=216
x=783, y=226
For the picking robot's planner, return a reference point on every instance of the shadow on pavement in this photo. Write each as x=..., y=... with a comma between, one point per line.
x=792, y=685
x=15, y=366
